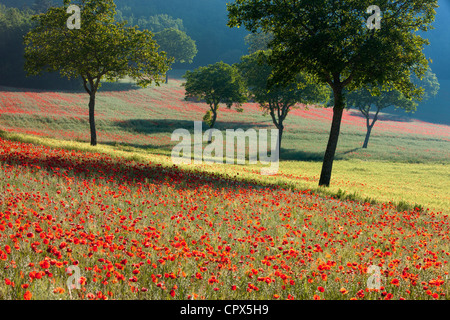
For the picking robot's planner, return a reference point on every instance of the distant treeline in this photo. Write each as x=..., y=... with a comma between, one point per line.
x=203, y=20
x=14, y=24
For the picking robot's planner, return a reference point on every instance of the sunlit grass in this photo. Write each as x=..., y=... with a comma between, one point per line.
x=408, y=184
x=137, y=230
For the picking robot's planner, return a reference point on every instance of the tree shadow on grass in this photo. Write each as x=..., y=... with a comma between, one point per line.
x=383, y=116
x=121, y=171
x=157, y=126
x=299, y=155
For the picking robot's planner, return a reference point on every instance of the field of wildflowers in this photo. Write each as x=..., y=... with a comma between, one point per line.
x=144, y=229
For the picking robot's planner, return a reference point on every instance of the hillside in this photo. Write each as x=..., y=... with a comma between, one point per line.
x=414, y=151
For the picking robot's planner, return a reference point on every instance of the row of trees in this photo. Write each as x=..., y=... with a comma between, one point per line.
x=252, y=79
x=314, y=47
x=325, y=44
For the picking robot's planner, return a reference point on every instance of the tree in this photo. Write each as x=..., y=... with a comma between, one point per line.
x=363, y=100
x=216, y=83
x=101, y=49
x=331, y=40
x=177, y=44
x=279, y=100
x=379, y=98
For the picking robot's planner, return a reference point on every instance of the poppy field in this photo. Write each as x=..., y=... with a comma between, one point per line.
x=146, y=231
x=138, y=227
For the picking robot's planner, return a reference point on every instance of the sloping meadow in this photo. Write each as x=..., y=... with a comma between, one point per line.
x=138, y=230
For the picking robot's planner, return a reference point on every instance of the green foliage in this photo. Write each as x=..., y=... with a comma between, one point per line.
x=102, y=48
x=429, y=83
x=258, y=73
x=216, y=83
x=14, y=23
x=177, y=44
x=364, y=99
x=207, y=118
x=278, y=100
x=41, y=6
x=329, y=39
x=381, y=98
x=154, y=23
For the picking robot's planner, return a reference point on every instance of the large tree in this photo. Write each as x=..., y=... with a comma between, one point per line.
x=177, y=44
x=331, y=40
x=100, y=49
x=378, y=99
x=278, y=100
x=216, y=83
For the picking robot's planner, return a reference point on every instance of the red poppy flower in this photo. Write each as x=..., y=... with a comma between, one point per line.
x=27, y=295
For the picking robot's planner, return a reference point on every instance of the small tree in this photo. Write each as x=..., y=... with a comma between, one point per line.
x=101, y=49
x=278, y=100
x=364, y=101
x=382, y=98
x=177, y=44
x=216, y=83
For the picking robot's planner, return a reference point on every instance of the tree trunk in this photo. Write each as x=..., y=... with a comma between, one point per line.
x=280, y=136
x=366, y=140
x=167, y=78
x=213, y=121
x=370, y=126
x=327, y=165
x=92, y=119
x=278, y=122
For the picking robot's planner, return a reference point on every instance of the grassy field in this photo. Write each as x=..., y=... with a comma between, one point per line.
x=137, y=227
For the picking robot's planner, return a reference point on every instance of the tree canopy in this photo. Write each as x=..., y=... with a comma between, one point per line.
x=216, y=83
x=154, y=23
x=101, y=49
x=177, y=44
x=330, y=40
x=258, y=41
